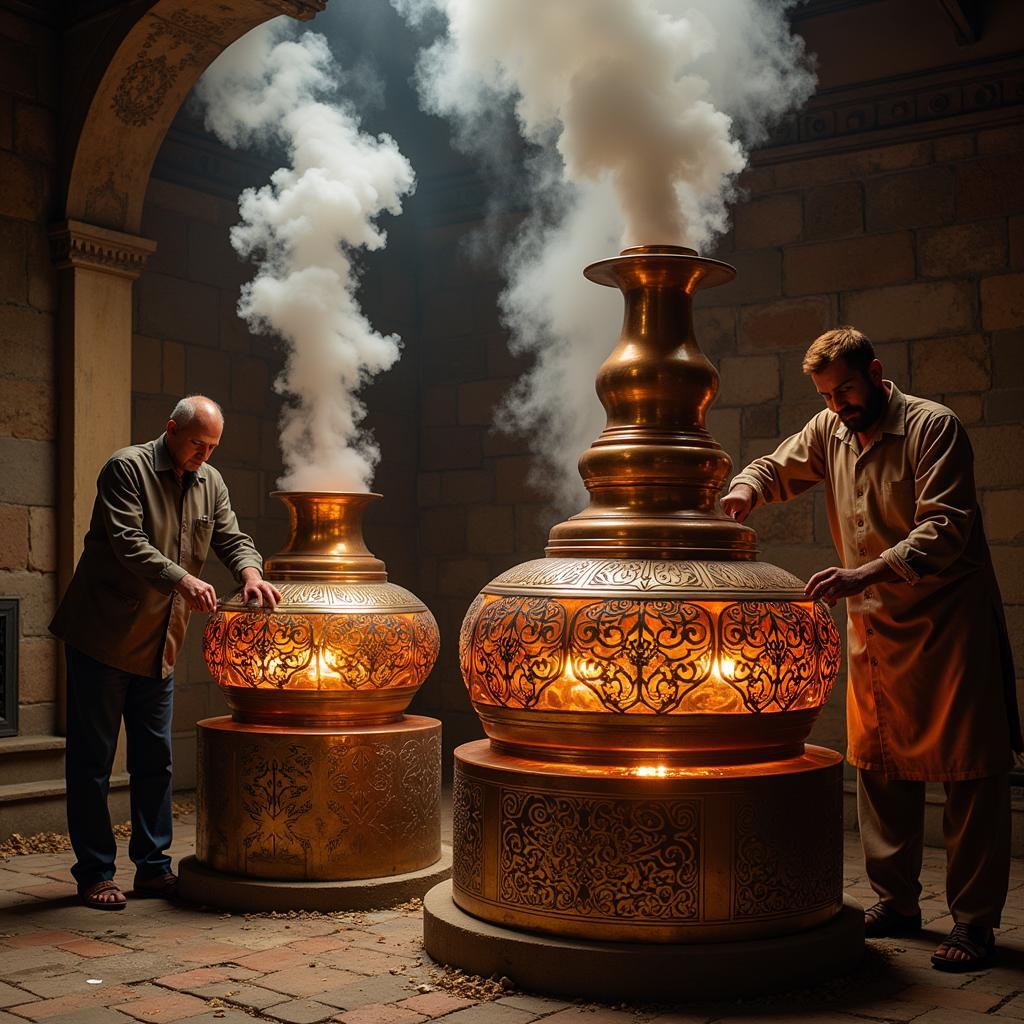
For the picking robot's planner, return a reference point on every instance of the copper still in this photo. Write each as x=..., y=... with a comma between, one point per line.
x=318, y=774
x=648, y=686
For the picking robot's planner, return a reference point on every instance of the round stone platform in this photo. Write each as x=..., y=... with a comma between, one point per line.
x=200, y=884
x=651, y=972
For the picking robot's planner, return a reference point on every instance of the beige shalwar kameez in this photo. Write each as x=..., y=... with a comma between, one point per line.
x=931, y=693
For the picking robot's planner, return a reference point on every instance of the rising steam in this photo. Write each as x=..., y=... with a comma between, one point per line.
x=646, y=107
x=302, y=229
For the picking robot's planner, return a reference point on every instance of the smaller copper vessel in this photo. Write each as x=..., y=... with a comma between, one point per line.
x=317, y=775
x=343, y=647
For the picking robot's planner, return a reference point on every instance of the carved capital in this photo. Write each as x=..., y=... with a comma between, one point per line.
x=76, y=244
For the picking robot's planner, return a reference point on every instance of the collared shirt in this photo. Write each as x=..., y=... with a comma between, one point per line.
x=148, y=531
x=931, y=691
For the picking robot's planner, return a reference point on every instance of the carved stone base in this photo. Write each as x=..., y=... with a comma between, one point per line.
x=651, y=854
x=199, y=884
x=318, y=805
x=610, y=971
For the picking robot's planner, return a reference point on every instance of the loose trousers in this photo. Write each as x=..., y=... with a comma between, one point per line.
x=98, y=697
x=976, y=830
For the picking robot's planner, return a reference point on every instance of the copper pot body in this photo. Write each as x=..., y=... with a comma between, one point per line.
x=647, y=687
x=343, y=647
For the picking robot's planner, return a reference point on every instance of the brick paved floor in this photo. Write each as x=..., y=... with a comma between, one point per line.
x=61, y=963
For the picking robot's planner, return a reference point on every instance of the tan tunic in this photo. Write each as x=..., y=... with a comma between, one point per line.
x=931, y=691
x=147, y=532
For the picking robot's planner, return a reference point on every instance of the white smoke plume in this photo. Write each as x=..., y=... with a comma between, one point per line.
x=303, y=229
x=647, y=107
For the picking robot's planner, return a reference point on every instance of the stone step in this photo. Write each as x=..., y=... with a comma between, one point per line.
x=31, y=759
x=38, y=806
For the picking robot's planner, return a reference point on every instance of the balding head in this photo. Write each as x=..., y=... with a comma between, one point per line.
x=193, y=407
x=193, y=431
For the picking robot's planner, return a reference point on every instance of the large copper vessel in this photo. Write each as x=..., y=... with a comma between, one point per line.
x=318, y=774
x=647, y=687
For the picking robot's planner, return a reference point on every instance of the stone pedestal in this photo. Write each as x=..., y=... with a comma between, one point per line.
x=655, y=855
x=297, y=808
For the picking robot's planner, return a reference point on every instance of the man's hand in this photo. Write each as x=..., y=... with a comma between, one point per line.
x=739, y=501
x=256, y=590
x=830, y=585
x=198, y=595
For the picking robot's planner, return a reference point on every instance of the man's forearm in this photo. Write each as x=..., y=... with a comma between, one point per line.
x=878, y=571
x=250, y=572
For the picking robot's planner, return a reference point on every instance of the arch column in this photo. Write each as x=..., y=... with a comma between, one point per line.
x=95, y=268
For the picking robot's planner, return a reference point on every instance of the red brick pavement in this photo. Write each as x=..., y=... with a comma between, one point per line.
x=213, y=968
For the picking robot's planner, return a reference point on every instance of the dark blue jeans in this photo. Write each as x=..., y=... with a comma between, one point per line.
x=98, y=697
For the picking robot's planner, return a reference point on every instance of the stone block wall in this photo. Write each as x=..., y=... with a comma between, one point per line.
x=28, y=547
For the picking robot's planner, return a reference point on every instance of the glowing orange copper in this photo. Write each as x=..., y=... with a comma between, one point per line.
x=344, y=645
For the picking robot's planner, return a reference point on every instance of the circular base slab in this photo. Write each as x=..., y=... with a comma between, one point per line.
x=610, y=971
x=200, y=884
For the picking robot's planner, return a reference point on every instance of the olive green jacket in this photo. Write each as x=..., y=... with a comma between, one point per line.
x=147, y=532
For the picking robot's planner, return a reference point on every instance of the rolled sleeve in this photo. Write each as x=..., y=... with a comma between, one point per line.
x=120, y=497
x=796, y=465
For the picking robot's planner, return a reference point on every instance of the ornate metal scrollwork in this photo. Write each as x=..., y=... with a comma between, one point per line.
x=768, y=651
x=642, y=655
x=357, y=651
x=519, y=648
x=603, y=859
x=648, y=655
x=468, y=827
x=268, y=650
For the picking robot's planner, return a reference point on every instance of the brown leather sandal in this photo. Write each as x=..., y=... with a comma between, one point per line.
x=91, y=896
x=881, y=921
x=977, y=942
x=158, y=887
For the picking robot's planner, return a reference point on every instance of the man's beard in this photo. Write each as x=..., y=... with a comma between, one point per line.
x=861, y=418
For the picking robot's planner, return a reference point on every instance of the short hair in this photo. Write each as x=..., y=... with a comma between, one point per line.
x=187, y=408
x=842, y=343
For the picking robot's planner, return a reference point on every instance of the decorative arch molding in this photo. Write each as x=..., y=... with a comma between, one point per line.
x=153, y=64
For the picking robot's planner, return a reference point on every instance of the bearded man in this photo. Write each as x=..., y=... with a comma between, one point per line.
x=931, y=694
x=159, y=509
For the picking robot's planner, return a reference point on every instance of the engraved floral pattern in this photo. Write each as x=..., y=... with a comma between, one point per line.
x=648, y=656
x=267, y=649
x=768, y=650
x=778, y=868
x=468, y=831
x=602, y=859
x=276, y=797
x=629, y=576
x=518, y=648
x=359, y=651
x=652, y=653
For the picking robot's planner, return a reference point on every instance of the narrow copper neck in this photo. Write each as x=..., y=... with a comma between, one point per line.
x=326, y=540
x=655, y=473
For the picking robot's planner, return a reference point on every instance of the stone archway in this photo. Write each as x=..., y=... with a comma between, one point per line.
x=127, y=73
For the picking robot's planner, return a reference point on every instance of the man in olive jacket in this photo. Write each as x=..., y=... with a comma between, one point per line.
x=159, y=509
